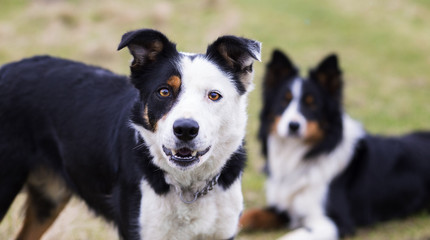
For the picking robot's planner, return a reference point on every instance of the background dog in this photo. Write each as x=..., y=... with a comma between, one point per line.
x=141, y=152
x=325, y=174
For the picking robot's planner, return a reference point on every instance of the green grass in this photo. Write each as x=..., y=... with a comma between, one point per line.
x=384, y=47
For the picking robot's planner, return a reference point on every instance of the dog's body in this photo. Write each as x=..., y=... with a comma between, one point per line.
x=159, y=154
x=326, y=175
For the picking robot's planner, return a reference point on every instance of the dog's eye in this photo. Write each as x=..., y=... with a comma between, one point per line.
x=309, y=100
x=164, y=92
x=214, y=96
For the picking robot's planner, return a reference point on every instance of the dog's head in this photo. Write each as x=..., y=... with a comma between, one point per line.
x=308, y=109
x=192, y=107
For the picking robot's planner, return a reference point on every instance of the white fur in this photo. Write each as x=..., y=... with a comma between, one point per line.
x=222, y=127
x=301, y=187
x=214, y=216
x=292, y=113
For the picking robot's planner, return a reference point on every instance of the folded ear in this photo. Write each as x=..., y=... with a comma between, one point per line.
x=146, y=46
x=328, y=75
x=236, y=55
x=278, y=70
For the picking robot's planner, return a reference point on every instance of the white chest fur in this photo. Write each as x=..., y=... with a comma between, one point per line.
x=213, y=216
x=300, y=186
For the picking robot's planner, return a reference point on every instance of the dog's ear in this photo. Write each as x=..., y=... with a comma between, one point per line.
x=278, y=70
x=328, y=75
x=236, y=55
x=146, y=46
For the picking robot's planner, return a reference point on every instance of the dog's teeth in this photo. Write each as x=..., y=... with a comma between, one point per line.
x=194, y=153
x=174, y=152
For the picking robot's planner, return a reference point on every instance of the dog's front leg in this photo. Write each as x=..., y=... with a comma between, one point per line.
x=314, y=228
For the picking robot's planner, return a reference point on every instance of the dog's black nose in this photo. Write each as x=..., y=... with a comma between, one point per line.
x=294, y=126
x=185, y=129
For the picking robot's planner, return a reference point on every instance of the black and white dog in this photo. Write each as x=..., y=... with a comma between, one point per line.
x=159, y=154
x=326, y=175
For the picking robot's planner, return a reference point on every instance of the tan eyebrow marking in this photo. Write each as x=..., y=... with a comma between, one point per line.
x=174, y=82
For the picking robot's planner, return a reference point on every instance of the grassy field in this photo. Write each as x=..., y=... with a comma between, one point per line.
x=384, y=47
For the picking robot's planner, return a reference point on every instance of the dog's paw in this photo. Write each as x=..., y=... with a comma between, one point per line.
x=259, y=219
x=298, y=234
x=305, y=234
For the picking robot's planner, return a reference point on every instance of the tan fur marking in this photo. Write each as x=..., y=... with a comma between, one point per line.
x=314, y=133
x=33, y=228
x=309, y=100
x=275, y=124
x=322, y=78
x=53, y=188
x=259, y=219
x=174, y=82
x=145, y=115
x=146, y=119
x=288, y=96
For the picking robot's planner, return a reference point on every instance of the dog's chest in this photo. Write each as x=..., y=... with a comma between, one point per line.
x=300, y=185
x=290, y=177
x=213, y=216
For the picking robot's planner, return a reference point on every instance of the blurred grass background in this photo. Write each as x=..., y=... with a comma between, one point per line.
x=384, y=48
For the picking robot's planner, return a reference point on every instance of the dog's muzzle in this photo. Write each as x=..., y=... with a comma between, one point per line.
x=184, y=157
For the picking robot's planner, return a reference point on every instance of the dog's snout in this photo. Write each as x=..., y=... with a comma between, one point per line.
x=185, y=129
x=294, y=126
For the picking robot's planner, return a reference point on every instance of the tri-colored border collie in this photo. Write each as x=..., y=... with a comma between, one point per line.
x=159, y=154
x=326, y=175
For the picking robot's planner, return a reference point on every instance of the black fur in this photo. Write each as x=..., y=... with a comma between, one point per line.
x=387, y=178
x=154, y=62
x=327, y=77
x=233, y=168
x=280, y=73
x=278, y=70
x=231, y=54
x=74, y=120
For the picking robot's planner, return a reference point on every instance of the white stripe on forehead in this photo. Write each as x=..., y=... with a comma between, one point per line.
x=292, y=112
x=296, y=88
x=199, y=76
x=200, y=72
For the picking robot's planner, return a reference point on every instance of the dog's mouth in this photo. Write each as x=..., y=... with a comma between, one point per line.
x=184, y=157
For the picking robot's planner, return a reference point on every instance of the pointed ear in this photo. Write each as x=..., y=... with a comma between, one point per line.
x=328, y=75
x=236, y=55
x=146, y=46
x=278, y=70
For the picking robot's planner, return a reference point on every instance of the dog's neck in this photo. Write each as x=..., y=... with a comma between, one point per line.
x=162, y=182
x=190, y=194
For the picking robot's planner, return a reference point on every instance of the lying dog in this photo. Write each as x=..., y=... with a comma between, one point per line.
x=326, y=175
x=159, y=154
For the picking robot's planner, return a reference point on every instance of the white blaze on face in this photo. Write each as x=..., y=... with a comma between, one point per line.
x=292, y=112
x=221, y=123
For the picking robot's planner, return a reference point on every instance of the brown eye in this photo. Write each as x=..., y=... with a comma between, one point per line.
x=214, y=96
x=309, y=100
x=164, y=92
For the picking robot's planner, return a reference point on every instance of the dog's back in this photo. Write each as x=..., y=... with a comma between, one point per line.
x=61, y=122
x=387, y=178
